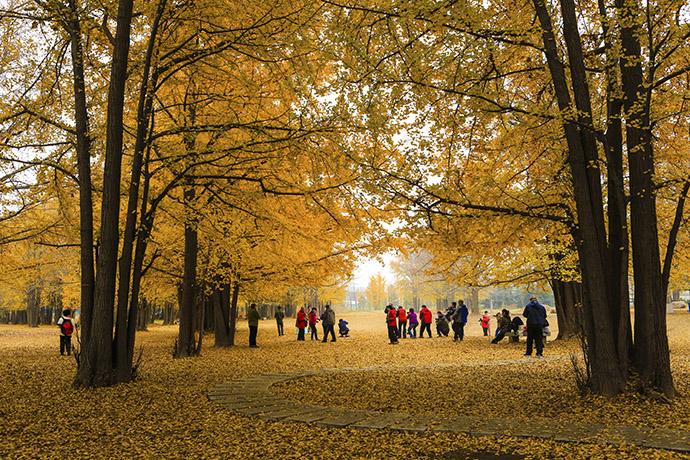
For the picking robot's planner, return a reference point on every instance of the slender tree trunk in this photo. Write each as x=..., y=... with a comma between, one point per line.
x=232, y=327
x=122, y=357
x=81, y=118
x=186, y=345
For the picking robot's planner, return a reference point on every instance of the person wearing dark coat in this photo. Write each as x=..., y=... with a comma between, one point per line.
x=503, y=326
x=536, y=319
x=253, y=318
x=442, y=328
x=279, y=315
x=515, y=325
x=459, y=321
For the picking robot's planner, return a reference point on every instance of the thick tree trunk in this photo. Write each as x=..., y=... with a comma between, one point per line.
x=33, y=305
x=568, y=299
x=186, y=345
x=474, y=301
x=221, y=308
x=96, y=367
x=651, y=342
x=607, y=377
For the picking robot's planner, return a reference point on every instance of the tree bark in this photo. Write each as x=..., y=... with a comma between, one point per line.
x=232, y=327
x=81, y=118
x=568, y=299
x=221, y=305
x=186, y=345
x=96, y=369
x=651, y=342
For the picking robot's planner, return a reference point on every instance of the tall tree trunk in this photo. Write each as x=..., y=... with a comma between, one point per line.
x=651, y=341
x=81, y=118
x=186, y=345
x=120, y=345
x=590, y=236
x=232, y=327
x=96, y=368
x=474, y=301
x=221, y=308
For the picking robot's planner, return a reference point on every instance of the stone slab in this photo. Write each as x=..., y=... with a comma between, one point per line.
x=670, y=439
x=256, y=410
x=310, y=416
x=577, y=432
x=280, y=414
x=456, y=425
x=378, y=421
x=341, y=419
x=411, y=423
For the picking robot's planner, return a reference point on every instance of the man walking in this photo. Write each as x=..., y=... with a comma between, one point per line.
x=425, y=317
x=253, y=318
x=279, y=320
x=536, y=319
x=328, y=322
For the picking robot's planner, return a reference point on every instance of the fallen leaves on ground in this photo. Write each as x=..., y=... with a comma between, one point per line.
x=165, y=414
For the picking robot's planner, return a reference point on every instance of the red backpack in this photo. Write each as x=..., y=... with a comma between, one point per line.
x=66, y=327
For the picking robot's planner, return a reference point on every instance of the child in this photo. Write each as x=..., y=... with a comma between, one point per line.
x=442, y=328
x=343, y=329
x=412, y=323
x=66, y=326
x=485, y=320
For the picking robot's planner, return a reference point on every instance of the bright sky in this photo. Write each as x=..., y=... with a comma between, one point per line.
x=368, y=267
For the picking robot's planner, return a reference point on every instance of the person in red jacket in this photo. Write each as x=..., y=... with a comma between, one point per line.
x=301, y=323
x=425, y=319
x=392, y=321
x=313, y=319
x=402, y=323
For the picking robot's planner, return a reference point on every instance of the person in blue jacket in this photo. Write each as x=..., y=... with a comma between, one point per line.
x=536, y=320
x=459, y=320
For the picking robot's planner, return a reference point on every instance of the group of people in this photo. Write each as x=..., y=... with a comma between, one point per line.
x=327, y=320
x=403, y=323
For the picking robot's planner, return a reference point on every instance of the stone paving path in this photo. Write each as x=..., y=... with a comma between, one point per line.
x=253, y=396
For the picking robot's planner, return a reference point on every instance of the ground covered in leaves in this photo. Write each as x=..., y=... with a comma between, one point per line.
x=165, y=414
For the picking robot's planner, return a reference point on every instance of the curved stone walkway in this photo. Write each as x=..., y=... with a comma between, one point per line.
x=253, y=396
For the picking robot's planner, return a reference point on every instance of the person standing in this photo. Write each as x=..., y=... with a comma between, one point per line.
x=459, y=321
x=485, y=320
x=425, y=317
x=66, y=325
x=328, y=321
x=313, y=319
x=253, y=318
x=301, y=324
x=402, y=323
x=279, y=316
x=536, y=319
x=392, y=322
x=413, y=322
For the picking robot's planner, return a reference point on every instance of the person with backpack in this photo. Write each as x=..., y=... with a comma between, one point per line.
x=402, y=323
x=313, y=319
x=425, y=316
x=253, y=318
x=301, y=324
x=536, y=319
x=392, y=322
x=459, y=321
x=413, y=323
x=66, y=325
x=328, y=321
x=279, y=320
